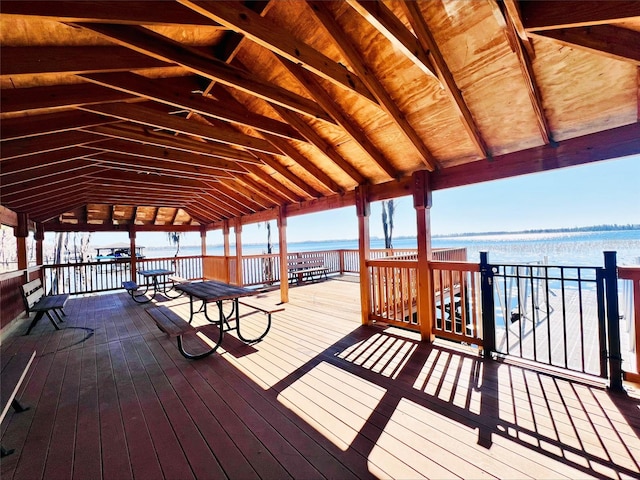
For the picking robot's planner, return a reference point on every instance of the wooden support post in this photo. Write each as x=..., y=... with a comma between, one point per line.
x=134, y=257
x=39, y=237
x=203, y=241
x=227, y=249
x=238, y=231
x=21, y=232
x=282, y=248
x=422, y=204
x=363, y=211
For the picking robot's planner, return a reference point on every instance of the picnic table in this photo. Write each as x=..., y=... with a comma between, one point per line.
x=211, y=291
x=151, y=277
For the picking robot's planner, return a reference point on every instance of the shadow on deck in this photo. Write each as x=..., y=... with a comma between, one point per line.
x=321, y=396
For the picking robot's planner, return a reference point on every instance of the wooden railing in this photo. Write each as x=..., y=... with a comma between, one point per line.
x=632, y=274
x=456, y=306
x=455, y=288
x=186, y=267
x=394, y=292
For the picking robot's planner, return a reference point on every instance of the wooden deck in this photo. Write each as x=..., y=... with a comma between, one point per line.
x=320, y=397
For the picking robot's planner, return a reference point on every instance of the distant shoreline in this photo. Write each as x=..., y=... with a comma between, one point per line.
x=595, y=228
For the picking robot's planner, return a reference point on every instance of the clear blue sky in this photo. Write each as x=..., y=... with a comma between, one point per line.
x=598, y=193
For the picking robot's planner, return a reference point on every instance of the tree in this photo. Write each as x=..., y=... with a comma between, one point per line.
x=174, y=240
x=387, y=222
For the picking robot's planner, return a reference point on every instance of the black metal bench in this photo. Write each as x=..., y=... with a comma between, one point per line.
x=35, y=300
x=302, y=269
x=14, y=370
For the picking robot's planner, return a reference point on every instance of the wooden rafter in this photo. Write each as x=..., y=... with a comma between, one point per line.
x=149, y=12
x=427, y=42
x=386, y=102
x=47, y=143
x=164, y=93
x=551, y=15
x=155, y=45
x=168, y=156
x=272, y=37
x=528, y=75
x=19, y=61
x=145, y=136
x=608, y=40
x=23, y=127
x=38, y=100
x=342, y=118
x=151, y=117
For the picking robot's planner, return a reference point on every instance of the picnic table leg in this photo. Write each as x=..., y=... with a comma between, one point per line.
x=18, y=408
x=242, y=337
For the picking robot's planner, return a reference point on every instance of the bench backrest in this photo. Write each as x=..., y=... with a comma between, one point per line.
x=305, y=262
x=32, y=292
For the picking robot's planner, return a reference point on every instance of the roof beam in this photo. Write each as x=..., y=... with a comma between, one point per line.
x=341, y=117
x=272, y=37
x=139, y=134
x=60, y=97
x=608, y=40
x=155, y=118
x=23, y=127
x=551, y=15
x=168, y=157
x=616, y=143
x=524, y=60
x=152, y=179
x=356, y=61
x=163, y=93
x=148, y=12
x=37, y=60
x=149, y=165
x=38, y=160
x=390, y=26
x=428, y=43
x=40, y=174
x=46, y=143
x=38, y=183
x=157, y=46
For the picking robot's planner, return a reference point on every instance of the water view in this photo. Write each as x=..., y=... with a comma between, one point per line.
x=559, y=248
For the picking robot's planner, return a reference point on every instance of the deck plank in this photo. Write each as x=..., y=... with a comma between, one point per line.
x=320, y=397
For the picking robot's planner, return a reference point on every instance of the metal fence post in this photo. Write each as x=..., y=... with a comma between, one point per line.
x=488, y=313
x=613, y=321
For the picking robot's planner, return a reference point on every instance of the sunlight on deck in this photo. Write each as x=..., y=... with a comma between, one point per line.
x=340, y=417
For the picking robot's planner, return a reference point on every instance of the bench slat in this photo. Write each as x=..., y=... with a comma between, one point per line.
x=170, y=322
x=50, y=302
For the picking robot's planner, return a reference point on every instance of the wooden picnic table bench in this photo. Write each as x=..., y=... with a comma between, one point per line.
x=302, y=269
x=13, y=372
x=36, y=300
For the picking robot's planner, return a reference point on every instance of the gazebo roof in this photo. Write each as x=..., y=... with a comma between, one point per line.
x=191, y=113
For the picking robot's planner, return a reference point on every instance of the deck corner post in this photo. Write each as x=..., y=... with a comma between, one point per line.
x=282, y=248
x=134, y=257
x=613, y=321
x=237, y=228
x=363, y=210
x=422, y=201
x=487, y=302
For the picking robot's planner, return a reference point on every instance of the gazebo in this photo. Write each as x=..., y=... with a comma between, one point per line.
x=203, y=115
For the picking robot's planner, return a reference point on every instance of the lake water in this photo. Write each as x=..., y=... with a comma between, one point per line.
x=559, y=248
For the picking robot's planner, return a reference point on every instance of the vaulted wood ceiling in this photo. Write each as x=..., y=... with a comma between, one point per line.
x=193, y=112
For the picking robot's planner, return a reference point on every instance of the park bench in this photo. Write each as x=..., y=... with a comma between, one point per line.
x=36, y=300
x=301, y=269
x=13, y=372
